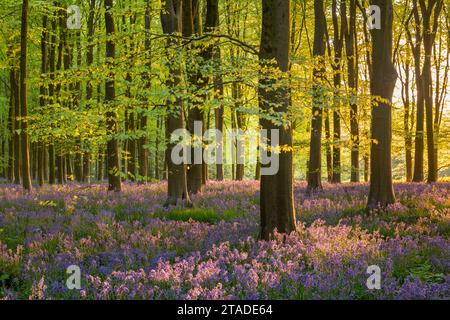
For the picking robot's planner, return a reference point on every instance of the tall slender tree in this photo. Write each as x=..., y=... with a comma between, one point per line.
x=43, y=94
x=114, y=181
x=338, y=43
x=352, y=79
x=430, y=10
x=277, y=199
x=315, y=152
x=415, y=43
x=15, y=114
x=211, y=26
x=382, y=89
x=17, y=140
x=131, y=146
x=89, y=86
x=143, y=119
x=51, y=94
x=404, y=64
x=194, y=112
x=76, y=98
x=171, y=21
x=26, y=177
x=11, y=126
x=441, y=54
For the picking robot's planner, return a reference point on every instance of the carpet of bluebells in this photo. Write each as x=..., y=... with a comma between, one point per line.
x=129, y=246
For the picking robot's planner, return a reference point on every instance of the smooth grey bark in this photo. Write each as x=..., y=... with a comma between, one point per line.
x=315, y=153
x=276, y=199
x=171, y=21
x=114, y=181
x=382, y=87
x=25, y=152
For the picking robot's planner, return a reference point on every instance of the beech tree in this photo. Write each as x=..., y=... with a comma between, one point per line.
x=43, y=94
x=211, y=26
x=191, y=28
x=25, y=152
x=338, y=44
x=416, y=47
x=89, y=85
x=352, y=79
x=143, y=120
x=382, y=87
x=276, y=199
x=315, y=153
x=114, y=180
x=430, y=11
x=171, y=20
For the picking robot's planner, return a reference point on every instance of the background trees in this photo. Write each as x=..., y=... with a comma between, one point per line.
x=157, y=69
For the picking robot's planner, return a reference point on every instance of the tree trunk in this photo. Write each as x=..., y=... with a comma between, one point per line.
x=26, y=178
x=14, y=114
x=143, y=141
x=276, y=199
x=315, y=153
x=195, y=114
x=366, y=159
x=114, y=181
x=352, y=77
x=328, y=151
x=441, y=86
x=417, y=54
x=211, y=24
x=17, y=143
x=77, y=96
x=100, y=166
x=59, y=168
x=205, y=173
x=338, y=40
x=428, y=97
x=407, y=115
x=33, y=157
x=212, y=52
x=240, y=157
x=11, y=128
x=59, y=159
x=171, y=20
x=52, y=99
x=130, y=124
x=419, y=141
x=43, y=93
x=159, y=125
x=89, y=86
x=219, y=115
x=430, y=23
x=382, y=86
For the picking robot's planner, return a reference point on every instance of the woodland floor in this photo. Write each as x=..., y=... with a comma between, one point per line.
x=129, y=247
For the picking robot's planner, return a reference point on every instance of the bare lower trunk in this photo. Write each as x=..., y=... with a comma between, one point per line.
x=328, y=149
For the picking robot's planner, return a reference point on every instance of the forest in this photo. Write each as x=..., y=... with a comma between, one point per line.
x=224, y=149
